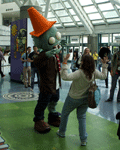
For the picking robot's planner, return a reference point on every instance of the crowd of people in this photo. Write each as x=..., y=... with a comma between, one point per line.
x=84, y=67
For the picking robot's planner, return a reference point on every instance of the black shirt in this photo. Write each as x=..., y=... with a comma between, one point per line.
x=32, y=56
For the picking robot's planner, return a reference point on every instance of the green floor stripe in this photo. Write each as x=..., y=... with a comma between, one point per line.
x=16, y=127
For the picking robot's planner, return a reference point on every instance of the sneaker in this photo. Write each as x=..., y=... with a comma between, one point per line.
x=83, y=143
x=109, y=100
x=60, y=134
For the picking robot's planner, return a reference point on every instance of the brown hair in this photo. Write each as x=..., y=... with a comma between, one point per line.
x=88, y=66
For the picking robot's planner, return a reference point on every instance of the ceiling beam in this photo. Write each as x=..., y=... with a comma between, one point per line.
x=47, y=8
x=116, y=2
x=69, y=13
x=79, y=12
x=53, y=11
x=115, y=7
x=101, y=14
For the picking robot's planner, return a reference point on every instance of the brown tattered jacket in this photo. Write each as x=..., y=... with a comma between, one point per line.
x=48, y=69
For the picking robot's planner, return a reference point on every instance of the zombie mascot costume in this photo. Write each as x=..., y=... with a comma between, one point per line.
x=46, y=37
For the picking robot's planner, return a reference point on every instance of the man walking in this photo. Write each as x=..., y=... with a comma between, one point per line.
x=34, y=70
x=115, y=73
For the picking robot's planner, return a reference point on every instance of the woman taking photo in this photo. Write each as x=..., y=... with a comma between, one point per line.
x=78, y=93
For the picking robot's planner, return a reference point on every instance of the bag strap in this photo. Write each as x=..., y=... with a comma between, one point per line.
x=93, y=80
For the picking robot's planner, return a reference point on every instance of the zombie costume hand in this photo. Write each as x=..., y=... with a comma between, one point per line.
x=52, y=52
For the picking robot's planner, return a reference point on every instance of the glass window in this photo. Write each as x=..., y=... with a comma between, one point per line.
x=41, y=2
x=53, y=1
x=113, y=20
x=66, y=19
x=57, y=25
x=118, y=6
x=100, y=1
x=85, y=39
x=50, y=14
x=67, y=5
x=57, y=6
x=94, y=16
x=62, y=13
x=104, y=38
x=52, y=19
x=107, y=6
x=72, y=12
x=85, y=2
x=76, y=18
x=69, y=24
x=114, y=35
x=110, y=14
x=97, y=22
x=90, y=9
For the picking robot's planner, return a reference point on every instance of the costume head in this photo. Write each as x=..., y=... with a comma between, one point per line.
x=45, y=35
x=104, y=51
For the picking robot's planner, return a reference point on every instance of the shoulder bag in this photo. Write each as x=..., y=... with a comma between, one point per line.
x=94, y=95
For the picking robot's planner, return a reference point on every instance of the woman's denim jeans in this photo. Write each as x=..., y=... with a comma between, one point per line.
x=69, y=105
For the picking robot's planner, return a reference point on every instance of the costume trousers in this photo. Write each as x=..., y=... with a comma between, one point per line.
x=27, y=72
x=113, y=86
x=33, y=71
x=45, y=100
x=81, y=106
x=1, y=70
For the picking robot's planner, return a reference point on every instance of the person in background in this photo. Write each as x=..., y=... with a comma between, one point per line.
x=95, y=57
x=109, y=68
x=86, y=52
x=34, y=70
x=1, y=58
x=115, y=73
x=27, y=67
x=99, y=63
x=90, y=53
x=74, y=60
x=77, y=97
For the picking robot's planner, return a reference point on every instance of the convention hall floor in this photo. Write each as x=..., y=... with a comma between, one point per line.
x=17, y=111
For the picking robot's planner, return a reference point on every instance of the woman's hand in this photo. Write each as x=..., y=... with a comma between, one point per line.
x=66, y=58
x=104, y=60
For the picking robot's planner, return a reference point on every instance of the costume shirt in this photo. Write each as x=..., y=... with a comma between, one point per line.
x=32, y=56
x=26, y=64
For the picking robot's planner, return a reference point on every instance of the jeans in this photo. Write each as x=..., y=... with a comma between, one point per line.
x=27, y=75
x=45, y=100
x=69, y=105
x=33, y=71
x=113, y=86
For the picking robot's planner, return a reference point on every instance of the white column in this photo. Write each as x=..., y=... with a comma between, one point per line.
x=1, y=19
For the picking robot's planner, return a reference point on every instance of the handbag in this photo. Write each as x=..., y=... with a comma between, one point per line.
x=94, y=95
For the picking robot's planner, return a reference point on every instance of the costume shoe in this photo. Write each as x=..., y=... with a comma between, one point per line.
x=41, y=126
x=54, y=119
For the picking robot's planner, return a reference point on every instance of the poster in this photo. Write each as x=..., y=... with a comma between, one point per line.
x=18, y=47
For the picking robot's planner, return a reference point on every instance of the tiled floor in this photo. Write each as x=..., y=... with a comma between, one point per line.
x=107, y=110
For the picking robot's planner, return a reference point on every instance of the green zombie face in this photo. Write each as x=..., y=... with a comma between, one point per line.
x=48, y=40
